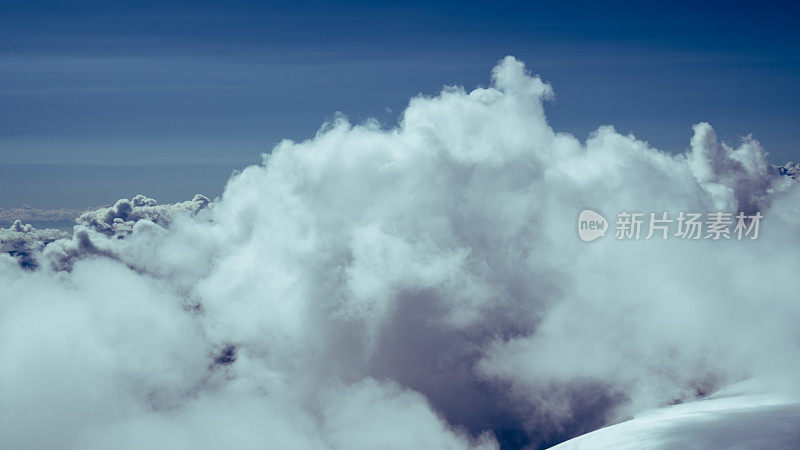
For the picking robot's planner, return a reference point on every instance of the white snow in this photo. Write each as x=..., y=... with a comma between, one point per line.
x=737, y=418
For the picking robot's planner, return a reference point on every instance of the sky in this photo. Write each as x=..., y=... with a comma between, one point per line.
x=375, y=285
x=103, y=100
x=423, y=288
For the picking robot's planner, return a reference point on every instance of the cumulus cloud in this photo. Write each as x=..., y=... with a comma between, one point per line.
x=741, y=173
x=25, y=241
x=790, y=169
x=119, y=219
x=414, y=287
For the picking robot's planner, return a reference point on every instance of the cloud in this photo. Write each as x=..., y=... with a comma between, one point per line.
x=25, y=241
x=97, y=230
x=421, y=286
x=120, y=218
x=790, y=169
x=30, y=214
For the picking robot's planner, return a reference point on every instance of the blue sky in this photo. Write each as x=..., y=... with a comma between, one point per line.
x=101, y=100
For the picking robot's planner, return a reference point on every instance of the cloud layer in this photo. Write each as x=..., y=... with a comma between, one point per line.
x=415, y=287
x=25, y=242
x=27, y=213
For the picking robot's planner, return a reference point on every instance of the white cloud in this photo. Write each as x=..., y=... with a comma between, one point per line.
x=25, y=241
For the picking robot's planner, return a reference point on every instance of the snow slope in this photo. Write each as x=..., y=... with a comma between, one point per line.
x=737, y=418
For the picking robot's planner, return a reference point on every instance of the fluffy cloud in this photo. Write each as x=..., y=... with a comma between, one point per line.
x=790, y=169
x=421, y=286
x=25, y=241
x=119, y=219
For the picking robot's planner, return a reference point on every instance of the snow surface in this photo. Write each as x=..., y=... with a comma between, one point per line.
x=736, y=418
